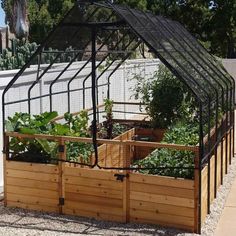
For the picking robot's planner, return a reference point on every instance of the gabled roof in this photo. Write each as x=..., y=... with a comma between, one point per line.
x=180, y=51
x=168, y=39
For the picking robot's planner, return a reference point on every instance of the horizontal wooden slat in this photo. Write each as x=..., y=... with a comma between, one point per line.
x=117, y=194
x=89, y=173
x=162, y=145
x=162, y=208
x=62, y=138
x=77, y=113
x=164, y=190
x=33, y=207
x=32, y=183
x=93, y=199
x=162, y=180
x=158, y=217
x=34, y=167
x=106, y=141
x=170, y=224
x=98, y=216
x=39, y=200
x=31, y=175
x=94, y=208
x=32, y=192
x=89, y=182
x=168, y=200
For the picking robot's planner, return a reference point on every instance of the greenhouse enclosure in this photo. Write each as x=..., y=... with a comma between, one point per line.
x=78, y=149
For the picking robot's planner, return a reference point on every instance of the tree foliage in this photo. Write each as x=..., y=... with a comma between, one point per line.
x=43, y=15
x=221, y=28
x=141, y=4
x=212, y=22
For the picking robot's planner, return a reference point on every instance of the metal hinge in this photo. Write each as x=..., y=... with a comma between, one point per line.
x=61, y=201
x=61, y=148
x=121, y=177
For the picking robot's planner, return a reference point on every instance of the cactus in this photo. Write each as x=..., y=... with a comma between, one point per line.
x=20, y=53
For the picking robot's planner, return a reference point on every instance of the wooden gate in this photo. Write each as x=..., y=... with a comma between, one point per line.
x=94, y=193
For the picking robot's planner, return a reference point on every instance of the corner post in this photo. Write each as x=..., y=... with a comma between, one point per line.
x=197, y=193
x=61, y=179
x=126, y=183
x=5, y=158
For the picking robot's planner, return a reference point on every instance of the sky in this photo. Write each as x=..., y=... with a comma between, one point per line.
x=2, y=18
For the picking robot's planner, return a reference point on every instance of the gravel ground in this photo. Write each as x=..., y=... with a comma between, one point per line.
x=218, y=204
x=29, y=223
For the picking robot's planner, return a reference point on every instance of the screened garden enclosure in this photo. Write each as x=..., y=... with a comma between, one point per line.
x=79, y=149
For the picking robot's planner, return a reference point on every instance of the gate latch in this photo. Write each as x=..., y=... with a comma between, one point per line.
x=121, y=177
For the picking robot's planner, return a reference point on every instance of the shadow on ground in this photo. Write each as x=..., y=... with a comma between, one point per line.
x=16, y=220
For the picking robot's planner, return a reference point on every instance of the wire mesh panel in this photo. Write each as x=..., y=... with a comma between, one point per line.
x=190, y=62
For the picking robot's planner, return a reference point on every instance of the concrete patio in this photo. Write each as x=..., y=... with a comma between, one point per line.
x=227, y=226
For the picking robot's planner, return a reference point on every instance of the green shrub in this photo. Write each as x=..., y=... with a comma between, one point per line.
x=181, y=133
x=167, y=99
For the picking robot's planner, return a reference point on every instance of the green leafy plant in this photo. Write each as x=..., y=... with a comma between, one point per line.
x=108, y=123
x=79, y=128
x=167, y=99
x=118, y=129
x=42, y=150
x=33, y=150
x=79, y=152
x=78, y=124
x=110, y=129
x=180, y=133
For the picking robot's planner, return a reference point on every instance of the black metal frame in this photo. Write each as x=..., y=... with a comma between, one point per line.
x=210, y=84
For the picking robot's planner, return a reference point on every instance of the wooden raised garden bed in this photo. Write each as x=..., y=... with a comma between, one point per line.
x=115, y=195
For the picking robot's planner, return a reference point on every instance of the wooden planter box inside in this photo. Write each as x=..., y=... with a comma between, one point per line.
x=114, y=195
